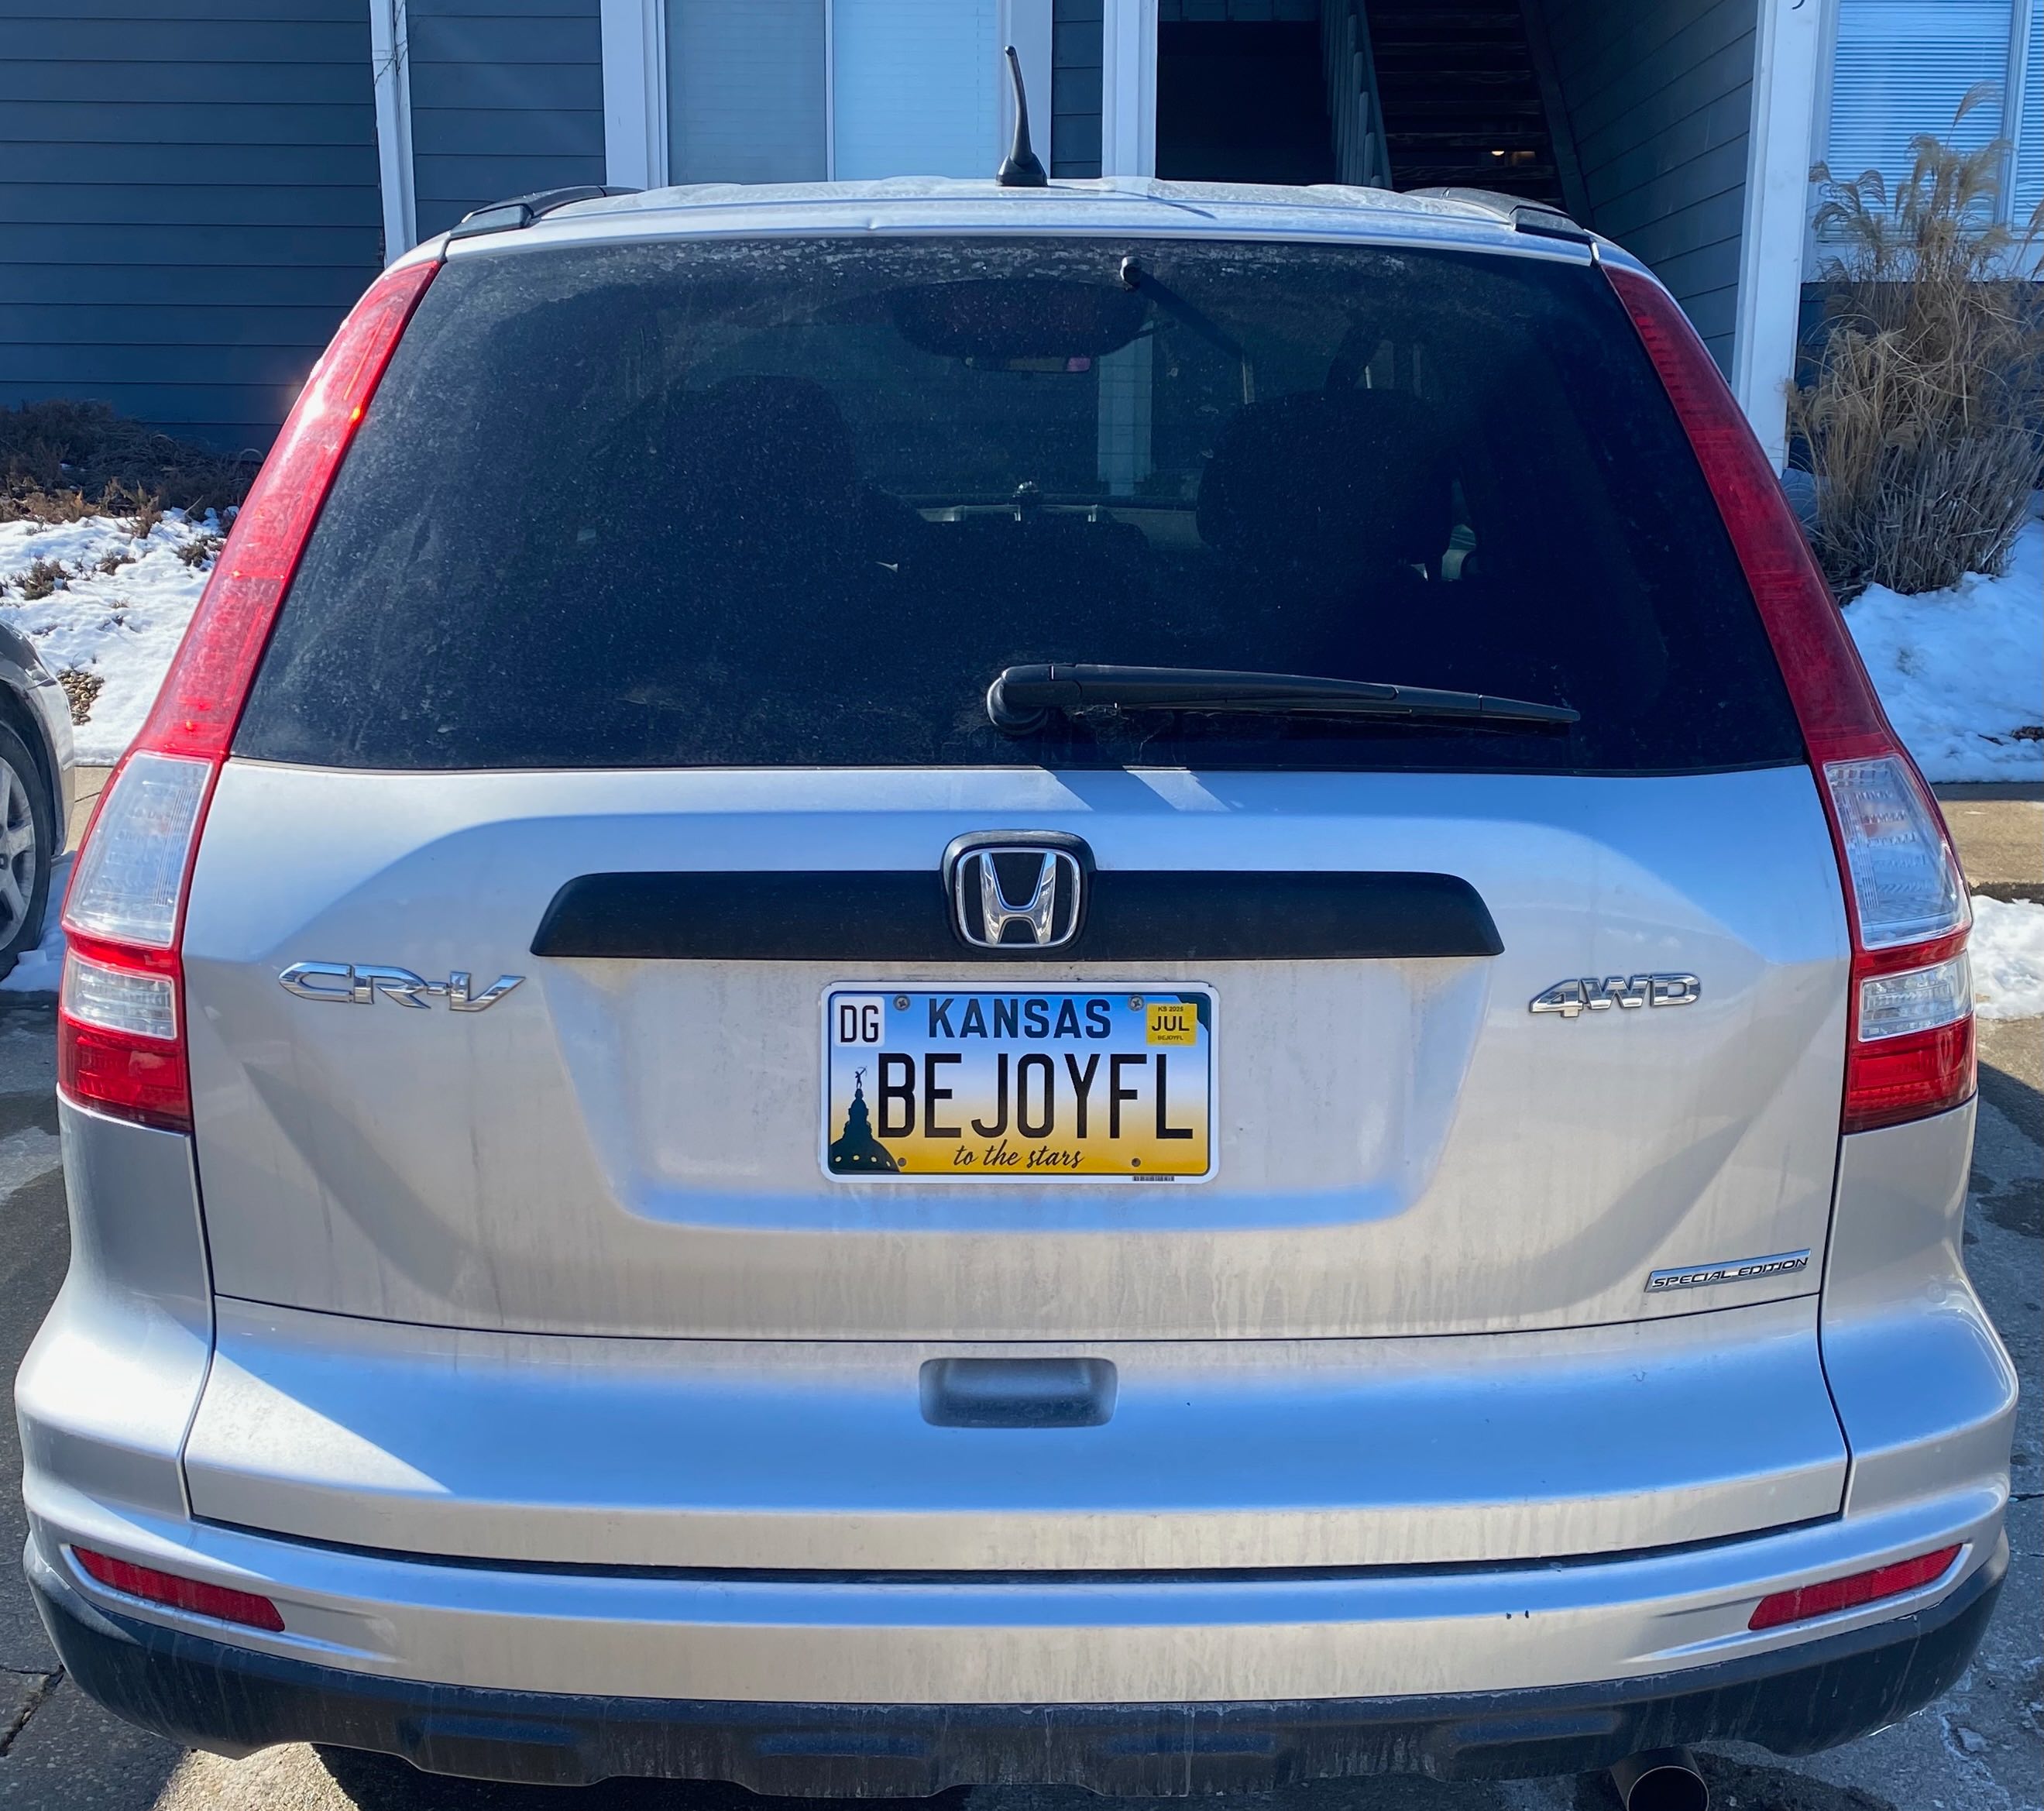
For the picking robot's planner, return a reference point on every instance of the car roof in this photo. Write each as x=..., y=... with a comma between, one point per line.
x=1149, y=206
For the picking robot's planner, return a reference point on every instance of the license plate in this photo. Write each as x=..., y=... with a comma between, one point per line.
x=992, y=1086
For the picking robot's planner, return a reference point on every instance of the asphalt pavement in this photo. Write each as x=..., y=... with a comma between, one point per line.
x=1981, y=1748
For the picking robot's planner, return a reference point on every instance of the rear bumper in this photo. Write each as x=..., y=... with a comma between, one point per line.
x=1794, y=1699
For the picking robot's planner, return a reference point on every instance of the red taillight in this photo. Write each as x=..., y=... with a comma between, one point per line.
x=120, y=1042
x=1909, y=1044
x=216, y=1601
x=1835, y=1594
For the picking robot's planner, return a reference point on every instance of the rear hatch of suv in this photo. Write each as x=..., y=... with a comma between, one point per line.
x=674, y=951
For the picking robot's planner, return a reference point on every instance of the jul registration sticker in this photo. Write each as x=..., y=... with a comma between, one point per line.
x=991, y=1086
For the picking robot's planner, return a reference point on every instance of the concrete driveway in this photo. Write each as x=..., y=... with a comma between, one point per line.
x=1980, y=1749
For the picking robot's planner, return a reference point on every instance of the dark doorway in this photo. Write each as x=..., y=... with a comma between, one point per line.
x=1240, y=103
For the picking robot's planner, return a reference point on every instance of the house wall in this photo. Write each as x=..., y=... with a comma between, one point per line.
x=507, y=97
x=1658, y=99
x=188, y=203
x=1075, y=75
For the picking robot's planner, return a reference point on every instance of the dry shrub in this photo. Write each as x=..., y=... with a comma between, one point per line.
x=1921, y=422
x=43, y=577
x=62, y=460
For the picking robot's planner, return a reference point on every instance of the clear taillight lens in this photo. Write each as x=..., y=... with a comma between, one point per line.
x=1916, y=1000
x=119, y=999
x=131, y=872
x=1905, y=881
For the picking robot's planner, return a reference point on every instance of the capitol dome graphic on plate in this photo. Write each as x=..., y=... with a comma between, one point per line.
x=855, y=1148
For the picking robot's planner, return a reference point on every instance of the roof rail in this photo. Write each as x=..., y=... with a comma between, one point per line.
x=522, y=210
x=1542, y=218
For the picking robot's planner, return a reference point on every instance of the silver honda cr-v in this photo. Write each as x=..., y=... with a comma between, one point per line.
x=1120, y=984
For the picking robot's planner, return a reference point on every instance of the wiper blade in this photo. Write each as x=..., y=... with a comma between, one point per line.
x=1021, y=698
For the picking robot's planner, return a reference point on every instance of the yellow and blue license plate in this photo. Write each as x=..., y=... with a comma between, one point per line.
x=991, y=1085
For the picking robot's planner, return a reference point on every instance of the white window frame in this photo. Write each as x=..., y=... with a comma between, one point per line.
x=390, y=73
x=635, y=86
x=1128, y=88
x=1789, y=42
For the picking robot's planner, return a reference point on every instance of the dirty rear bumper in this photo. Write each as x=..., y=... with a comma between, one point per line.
x=232, y=1700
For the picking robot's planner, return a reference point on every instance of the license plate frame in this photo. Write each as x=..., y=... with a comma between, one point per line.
x=1178, y=1020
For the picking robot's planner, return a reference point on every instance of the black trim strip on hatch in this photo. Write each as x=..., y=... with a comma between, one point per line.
x=1132, y=916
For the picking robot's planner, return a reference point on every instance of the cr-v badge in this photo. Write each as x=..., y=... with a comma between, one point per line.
x=1572, y=998
x=357, y=984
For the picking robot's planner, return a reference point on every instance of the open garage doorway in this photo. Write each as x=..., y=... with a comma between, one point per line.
x=1241, y=93
x=1389, y=93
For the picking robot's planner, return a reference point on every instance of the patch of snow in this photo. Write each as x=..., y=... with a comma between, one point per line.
x=1961, y=671
x=2008, y=950
x=122, y=626
x=38, y=970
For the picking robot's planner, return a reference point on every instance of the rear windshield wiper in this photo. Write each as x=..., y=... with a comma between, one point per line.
x=1021, y=698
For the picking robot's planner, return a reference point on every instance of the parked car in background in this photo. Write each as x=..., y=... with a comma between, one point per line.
x=35, y=791
x=936, y=984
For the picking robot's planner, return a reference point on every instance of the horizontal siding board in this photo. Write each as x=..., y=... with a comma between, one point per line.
x=514, y=87
x=207, y=208
x=267, y=367
x=458, y=40
x=1075, y=91
x=281, y=166
x=472, y=132
x=1700, y=270
x=213, y=84
x=250, y=412
x=464, y=179
x=1707, y=222
x=227, y=288
x=1712, y=311
x=1624, y=55
x=160, y=324
x=1713, y=173
x=73, y=39
x=202, y=14
x=1720, y=120
x=167, y=125
x=1726, y=73
x=1687, y=61
x=588, y=9
x=256, y=247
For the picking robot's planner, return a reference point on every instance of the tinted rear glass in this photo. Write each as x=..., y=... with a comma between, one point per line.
x=798, y=501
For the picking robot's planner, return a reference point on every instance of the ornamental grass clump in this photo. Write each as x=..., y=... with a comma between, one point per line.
x=1922, y=420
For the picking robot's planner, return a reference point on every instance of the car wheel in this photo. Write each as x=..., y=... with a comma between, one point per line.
x=28, y=845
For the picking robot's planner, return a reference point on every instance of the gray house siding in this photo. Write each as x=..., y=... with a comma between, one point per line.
x=188, y=203
x=507, y=97
x=1658, y=99
x=1076, y=57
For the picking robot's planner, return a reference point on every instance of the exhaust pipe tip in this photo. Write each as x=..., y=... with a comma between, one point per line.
x=1661, y=1779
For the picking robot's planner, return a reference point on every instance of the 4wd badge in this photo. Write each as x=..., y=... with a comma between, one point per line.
x=1572, y=998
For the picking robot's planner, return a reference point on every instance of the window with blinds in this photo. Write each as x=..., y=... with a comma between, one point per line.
x=745, y=91
x=1902, y=66
x=795, y=90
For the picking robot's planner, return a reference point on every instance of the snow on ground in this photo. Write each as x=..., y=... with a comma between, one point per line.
x=40, y=968
x=120, y=626
x=2007, y=951
x=1961, y=671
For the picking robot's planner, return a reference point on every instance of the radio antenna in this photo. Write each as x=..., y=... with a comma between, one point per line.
x=1023, y=169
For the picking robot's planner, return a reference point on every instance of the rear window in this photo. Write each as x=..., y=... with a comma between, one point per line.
x=800, y=501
